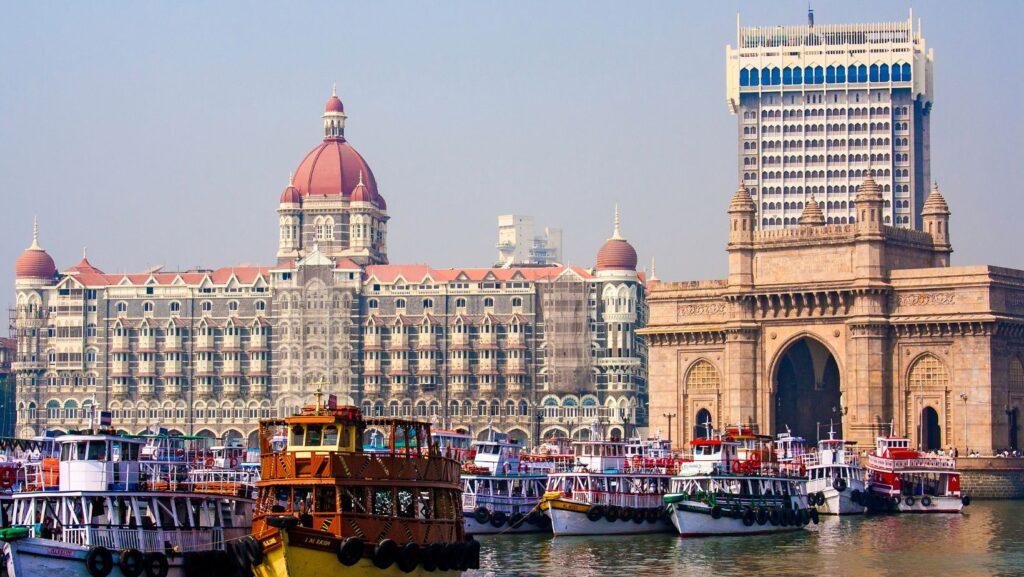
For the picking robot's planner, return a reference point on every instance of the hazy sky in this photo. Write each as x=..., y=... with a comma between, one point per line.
x=163, y=133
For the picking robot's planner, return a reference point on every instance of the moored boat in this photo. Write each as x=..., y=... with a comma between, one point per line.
x=327, y=507
x=835, y=479
x=904, y=480
x=501, y=493
x=719, y=492
x=604, y=495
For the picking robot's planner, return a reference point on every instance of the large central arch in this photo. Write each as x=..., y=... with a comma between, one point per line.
x=807, y=391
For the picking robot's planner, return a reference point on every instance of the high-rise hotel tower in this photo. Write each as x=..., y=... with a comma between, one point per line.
x=820, y=107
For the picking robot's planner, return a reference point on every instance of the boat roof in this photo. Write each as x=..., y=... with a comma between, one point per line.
x=77, y=437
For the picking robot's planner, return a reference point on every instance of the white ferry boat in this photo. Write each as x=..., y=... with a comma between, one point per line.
x=720, y=493
x=104, y=515
x=835, y=479
x=604, y=495
x=905, y=480
x=226, y=472
x=500, y=493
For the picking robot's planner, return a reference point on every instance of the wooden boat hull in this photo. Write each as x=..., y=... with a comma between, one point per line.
x=285, y=558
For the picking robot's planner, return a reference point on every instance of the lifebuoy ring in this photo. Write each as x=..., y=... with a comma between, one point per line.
x=409, y=557
x=350, y=551
x=99, y=561
x=839, y=484
x=234, y=462
x=156, y=564
x=481, y=515
x=131, y=562
x=7, y=477
x=384, y=554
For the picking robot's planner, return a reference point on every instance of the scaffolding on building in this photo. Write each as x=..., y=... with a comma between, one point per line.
x=564, y=313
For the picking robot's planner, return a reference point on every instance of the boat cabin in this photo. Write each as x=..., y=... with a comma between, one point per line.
x=710, y=456
x=600, y=456
x=498, y=456
x=99, y=463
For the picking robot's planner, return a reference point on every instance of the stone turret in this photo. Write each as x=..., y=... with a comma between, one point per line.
x=869, y=255
x=869, y=203
x=935, y=221
x=742, y=212
x=812, y=215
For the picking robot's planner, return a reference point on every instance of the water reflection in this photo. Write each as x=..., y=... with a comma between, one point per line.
x=987, y=540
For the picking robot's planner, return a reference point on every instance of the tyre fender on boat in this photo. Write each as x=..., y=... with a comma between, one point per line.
x=805, y=516
x=595, y=513
x=131, y=562
x=156, y=564
x=498, y=518
x=409, y=557
x=749, y=517
x=761, y=515
x=716, y=512
x=839, y=484
x=814, y=516
x=909, y=501
x=926, y=501
x=966, y=500
x=255, y=549
x=99, y=561
x=536, y=517
x=350, y=551
x=856, y=496
x=653, y=514
x=384, y=554
x=774, y=517
x=473, y=553
x=611, y=514
x=516, y=520
x=482, y=515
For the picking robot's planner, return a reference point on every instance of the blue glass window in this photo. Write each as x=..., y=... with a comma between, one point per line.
x=753, y=77
x=862, y=73
x=744, y=77
x=776, y=79
x=787, y=75
x=808, y=75
x=874, y=73
x=851, y=72
x=896, y=75
x=819, y=75
x=840, y=74
x=906, y=73
x=798, y=75
x=883, y=73
x=830, y=75
x=766, y=77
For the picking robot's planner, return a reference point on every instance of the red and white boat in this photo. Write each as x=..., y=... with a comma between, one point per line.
x=908, y=481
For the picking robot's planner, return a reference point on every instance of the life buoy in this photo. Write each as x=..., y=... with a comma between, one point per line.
x=481, y=515
x=498, y=518
x=99, y=561
x=839, y=484
x=131, y=562
x=7, y=477
x=749, y=517
x=384, y=554
x=595, y=512
x=234, y=462
x=909, y=501
x=156, y=564
x=209, y=462
x=716, y=512
x=350, y=551
x=472, y=553
x=409, y=557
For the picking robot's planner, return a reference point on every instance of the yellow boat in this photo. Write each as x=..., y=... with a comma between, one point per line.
x=326, y=507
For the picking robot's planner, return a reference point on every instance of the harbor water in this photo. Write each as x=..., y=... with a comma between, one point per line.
x=985, y=540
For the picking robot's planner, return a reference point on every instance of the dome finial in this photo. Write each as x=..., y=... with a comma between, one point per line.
x=291, y=178
x=654, y=273
x=85, y=252
x=360, y=178
x=35, y=232
x=334, y=89
x=617, y=232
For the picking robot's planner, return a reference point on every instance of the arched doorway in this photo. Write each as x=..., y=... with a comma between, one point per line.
x=931, y=433
x=1014, y=428
x=807, y=391
x=703, y=424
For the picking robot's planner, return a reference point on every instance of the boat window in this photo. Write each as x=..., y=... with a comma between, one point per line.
x=406, y=504
x=330, y=436
x=97, y=451
x=325, y=500
x=66, y=450
x=301, y=500
x=297, y=433
x=82, y=448
x=423, y=502
x=382, y=501
x=313, y=435
x=130, y=452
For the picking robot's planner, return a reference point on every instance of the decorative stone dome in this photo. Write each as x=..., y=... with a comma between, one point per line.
x=935, y=203
x=741, y=201
x=869, y=190
x=35, y=263
x=291, y=195
x=616, y=253
x=812, y=215
x=361, y=193
x=334, y=104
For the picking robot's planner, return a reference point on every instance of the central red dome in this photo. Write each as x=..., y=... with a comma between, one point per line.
x=333, y=168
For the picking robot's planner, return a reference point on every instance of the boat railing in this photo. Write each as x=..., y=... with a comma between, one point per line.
x=876, y=462
x=635, y=500
x=496, y=502
x=223, y=481
x=118, y=538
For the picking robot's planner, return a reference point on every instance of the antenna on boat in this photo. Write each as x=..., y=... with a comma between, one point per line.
x=319, y=392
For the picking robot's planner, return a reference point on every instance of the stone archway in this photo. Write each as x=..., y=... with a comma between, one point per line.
x=704, y=424
x=931, y=431
x=807, y=390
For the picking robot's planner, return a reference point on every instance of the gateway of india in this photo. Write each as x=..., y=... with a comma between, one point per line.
x=860, y=327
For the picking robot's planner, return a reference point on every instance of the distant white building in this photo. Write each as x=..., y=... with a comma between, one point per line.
x=519, y=245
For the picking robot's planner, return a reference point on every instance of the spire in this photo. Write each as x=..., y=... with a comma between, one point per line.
x=85, y=253
x=617, y=232
x=291, y=178
x=360, y=178
x=35, y=233
x=654, y=273
x=334, y=89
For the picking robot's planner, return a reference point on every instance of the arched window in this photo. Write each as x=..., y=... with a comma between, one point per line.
x=175, y=307
x=261, y=305
x=207, y=306
x=147, y=307
x=928, y=372
x=460, y=303
x=702, y=424
x=400, y=304
x=702, y=375
x=372, y=304
x=122, y=307
x=233, y=306
x=489, y=302
x=1015, y=378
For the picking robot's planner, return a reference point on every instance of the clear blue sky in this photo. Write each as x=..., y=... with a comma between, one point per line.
x=163, y=132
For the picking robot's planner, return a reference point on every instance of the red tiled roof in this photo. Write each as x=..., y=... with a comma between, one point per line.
x=415, y=273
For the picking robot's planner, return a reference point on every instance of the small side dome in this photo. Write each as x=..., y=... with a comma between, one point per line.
x=616, y=253
x=935, y=204
x=334, y=103
x=291, y=195
x=35, y=263
x=741, y=201
x=360, y=193
x=869, y=190
x=812, y=215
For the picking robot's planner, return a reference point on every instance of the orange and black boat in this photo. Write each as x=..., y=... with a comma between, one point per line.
x=326, y=507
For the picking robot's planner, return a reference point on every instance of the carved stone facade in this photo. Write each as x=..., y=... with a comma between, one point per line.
x=859, y=326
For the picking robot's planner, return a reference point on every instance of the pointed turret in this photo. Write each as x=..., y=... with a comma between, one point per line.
x=935, y=221
x=35, y=263
x=812, y=215
x=742, y=215
x=616, y=254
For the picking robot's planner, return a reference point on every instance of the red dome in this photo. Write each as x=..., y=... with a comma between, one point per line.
x=334, y=104
x=291, y=195
x=333, y=168
x=35, y=263
x=616, y=254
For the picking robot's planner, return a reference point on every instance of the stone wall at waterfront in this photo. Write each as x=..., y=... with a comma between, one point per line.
x=992, y=477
